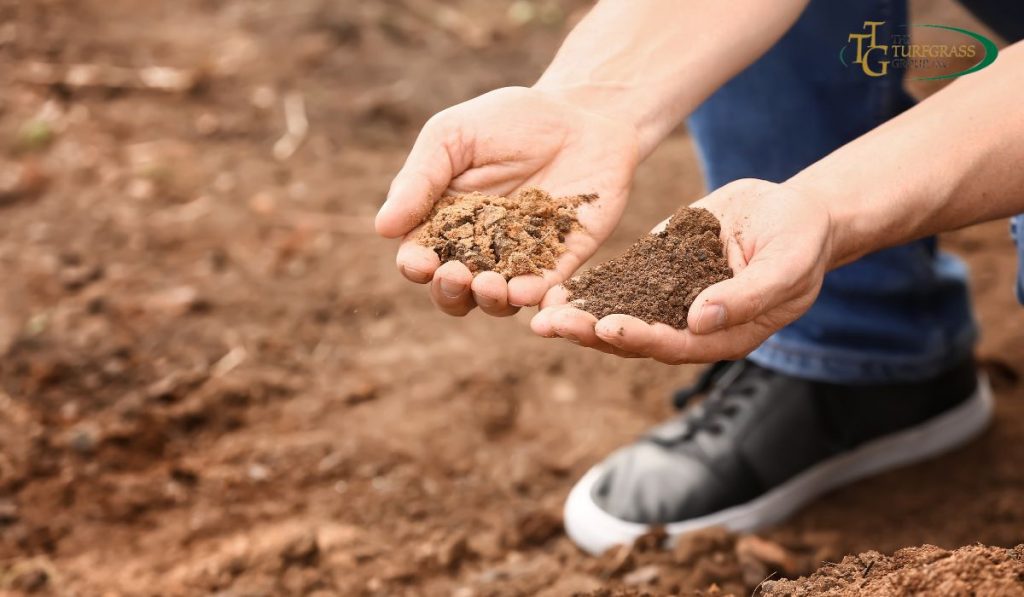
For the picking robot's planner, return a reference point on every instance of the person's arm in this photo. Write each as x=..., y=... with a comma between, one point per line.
x=651, y=63
x=954, y=160
x=625, y=76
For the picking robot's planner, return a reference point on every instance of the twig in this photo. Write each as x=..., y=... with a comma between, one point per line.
x=296, y=126
x=102, y=76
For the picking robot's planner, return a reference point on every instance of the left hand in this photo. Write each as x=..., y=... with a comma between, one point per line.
x=778, y=242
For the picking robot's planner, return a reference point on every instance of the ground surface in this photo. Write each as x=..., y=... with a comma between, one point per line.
x=214, y=380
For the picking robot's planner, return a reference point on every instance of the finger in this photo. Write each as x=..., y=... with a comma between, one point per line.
x=528, y=290
x=450, y=289
x=437, y=156
x=575, y=325
x=754, y=290
x=669, y=345
x=541, y=323
x=657, y=341
x=556, y=295
x=416, y=262
x=490, y=293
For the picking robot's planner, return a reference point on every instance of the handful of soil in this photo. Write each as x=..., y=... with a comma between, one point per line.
x=516, y=235
x=659, y=277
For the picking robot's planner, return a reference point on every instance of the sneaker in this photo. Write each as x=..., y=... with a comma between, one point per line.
x=763, y=444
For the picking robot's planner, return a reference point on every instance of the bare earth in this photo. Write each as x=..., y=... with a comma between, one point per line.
x=213, y=379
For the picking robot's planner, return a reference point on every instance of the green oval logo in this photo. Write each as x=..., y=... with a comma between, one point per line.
x=875, y=55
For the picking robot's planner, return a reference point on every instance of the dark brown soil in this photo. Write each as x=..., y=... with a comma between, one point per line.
x=926, y=570
x=516, y=235
x=659, y=277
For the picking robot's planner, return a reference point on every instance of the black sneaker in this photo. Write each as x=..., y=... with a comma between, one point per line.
x=763, y=444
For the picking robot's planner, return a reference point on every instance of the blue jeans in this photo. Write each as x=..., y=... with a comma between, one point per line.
x=902, y=314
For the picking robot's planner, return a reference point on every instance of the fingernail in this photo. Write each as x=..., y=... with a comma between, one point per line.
x=571, y=338
x=452, y=289
x=419, y=275
x=485, y=301
x=711, y=319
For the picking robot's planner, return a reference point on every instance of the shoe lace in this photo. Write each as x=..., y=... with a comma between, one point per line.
x=727, y=384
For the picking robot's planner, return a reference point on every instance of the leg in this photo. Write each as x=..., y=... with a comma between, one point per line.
x=902, y=314
x=876, y=375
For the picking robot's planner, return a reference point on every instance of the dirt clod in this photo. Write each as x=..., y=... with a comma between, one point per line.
x=523, y=233
x=925, y=570
x=302, y=550
x=658, y=278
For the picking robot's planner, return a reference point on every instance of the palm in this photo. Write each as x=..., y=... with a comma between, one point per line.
x=516, y=138
x=777, y=242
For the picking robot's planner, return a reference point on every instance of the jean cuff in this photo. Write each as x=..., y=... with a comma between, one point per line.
x=845, y=366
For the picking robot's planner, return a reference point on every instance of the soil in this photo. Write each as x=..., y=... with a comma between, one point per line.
x=658, y=278
x=514, y=236
x=213, y=380
x=925, y=570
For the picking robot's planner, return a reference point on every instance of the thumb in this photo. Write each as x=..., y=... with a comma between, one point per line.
x=438, y=156
x=753, y=291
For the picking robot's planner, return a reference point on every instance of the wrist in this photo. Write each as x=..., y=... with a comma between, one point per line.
x=607, y=100
x=845, y=242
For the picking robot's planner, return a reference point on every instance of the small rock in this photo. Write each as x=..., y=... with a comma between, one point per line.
x=19, y=182
x=490, y=215
x=651, y=541
x=360, y=392
x=8, y=512
x=174, y=386
x=573, y=584
x=647, y=575
x=178, y=300
x=84, y=438
x=535, y=527
x=768, y=552
x=258, y=472
x=453, y=552
x=616, y=561
x=30, y=579
x=692, y=546
x=301, y=551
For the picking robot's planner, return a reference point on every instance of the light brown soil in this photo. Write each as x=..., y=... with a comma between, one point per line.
x=927, y=570
x=514, y=236
x=658, y=278
x=213, y=379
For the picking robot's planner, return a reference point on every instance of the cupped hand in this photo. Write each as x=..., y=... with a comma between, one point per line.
x=778, y=243
x=500, y=142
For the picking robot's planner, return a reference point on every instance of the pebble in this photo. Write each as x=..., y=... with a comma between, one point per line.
x=646, y=575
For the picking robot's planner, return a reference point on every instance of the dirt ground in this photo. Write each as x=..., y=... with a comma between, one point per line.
x=213, y=380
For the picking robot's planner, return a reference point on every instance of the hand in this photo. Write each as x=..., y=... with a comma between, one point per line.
x=778, y=241
x=496, y=144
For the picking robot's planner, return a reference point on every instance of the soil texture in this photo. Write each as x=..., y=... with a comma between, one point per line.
x=213, y=381
x=926, y=570
x=514, y=236
x=659, y=277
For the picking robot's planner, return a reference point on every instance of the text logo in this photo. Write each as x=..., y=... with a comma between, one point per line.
x=877, y=53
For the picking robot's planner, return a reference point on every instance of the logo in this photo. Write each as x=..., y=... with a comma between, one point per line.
x=876, y=57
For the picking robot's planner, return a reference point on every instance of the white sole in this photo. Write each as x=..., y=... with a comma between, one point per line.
x=594, y=530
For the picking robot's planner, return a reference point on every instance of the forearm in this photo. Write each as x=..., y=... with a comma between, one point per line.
x=954, y=160
x=652, y=62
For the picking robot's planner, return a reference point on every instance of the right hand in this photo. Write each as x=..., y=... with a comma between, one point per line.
x=778, y=239
x=497, y=143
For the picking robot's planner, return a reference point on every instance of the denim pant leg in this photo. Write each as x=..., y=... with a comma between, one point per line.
x=902, y=314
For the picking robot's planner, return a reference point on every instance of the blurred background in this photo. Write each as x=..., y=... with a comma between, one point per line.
x=213, y=380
